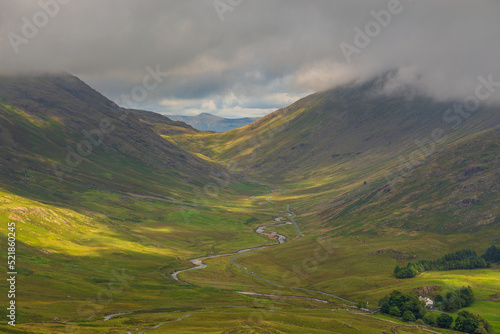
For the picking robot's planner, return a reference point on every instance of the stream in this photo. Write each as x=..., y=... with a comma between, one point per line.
x=198, y=262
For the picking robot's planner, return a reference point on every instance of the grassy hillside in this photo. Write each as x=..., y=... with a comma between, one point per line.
x=163, y=125
x=137, y=205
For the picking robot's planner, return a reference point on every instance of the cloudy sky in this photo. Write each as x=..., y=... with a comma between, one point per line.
x=238, y=58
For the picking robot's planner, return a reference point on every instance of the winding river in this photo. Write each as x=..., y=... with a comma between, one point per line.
x=198, y=262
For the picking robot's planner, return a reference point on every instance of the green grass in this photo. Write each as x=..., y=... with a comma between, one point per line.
x=254, y=319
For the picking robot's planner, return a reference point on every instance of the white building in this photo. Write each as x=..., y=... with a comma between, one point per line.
x=429, y=303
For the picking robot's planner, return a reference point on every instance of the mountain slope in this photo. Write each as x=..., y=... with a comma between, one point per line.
x=456, y=190
x=348, y=128
x=55, y=128
x=350, y=157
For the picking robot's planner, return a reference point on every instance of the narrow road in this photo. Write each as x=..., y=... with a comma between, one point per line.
x=109, y=316
x=198, y=262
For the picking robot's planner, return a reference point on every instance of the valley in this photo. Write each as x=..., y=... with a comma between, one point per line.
x=281, y=226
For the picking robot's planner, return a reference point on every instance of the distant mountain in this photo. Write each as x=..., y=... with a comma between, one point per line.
x=209, y=122
x=162, y=125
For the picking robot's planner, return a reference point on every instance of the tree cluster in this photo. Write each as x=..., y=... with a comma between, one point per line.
x=444, y=321
x=465, y=322
x=403, y=305
x=410, y=308
x=462, y=259
x=492, y=255
x=455, y=300
x=472, y=323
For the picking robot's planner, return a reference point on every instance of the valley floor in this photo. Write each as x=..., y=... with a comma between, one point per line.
x=271, y=287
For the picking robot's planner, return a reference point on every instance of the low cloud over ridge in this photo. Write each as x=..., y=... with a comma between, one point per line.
x=261, y=56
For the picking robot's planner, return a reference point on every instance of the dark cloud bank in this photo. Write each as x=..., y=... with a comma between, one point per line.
x=248, y=57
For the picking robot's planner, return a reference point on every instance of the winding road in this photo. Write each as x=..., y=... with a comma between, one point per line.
x=163, y=323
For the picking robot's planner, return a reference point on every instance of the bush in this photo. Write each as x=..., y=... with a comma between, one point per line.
x=481, y=330
x=444, y=321
x=408, y=316
x=429, y=319
x=385, y=308
x=421, y=313
x=462, y=297
x=471, y=323
x=492, y=255
x=394, y=310
x=407, y=272
x=361, y=305
x=467, y=295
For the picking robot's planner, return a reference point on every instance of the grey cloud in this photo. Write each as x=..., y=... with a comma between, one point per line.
x=262, y=48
